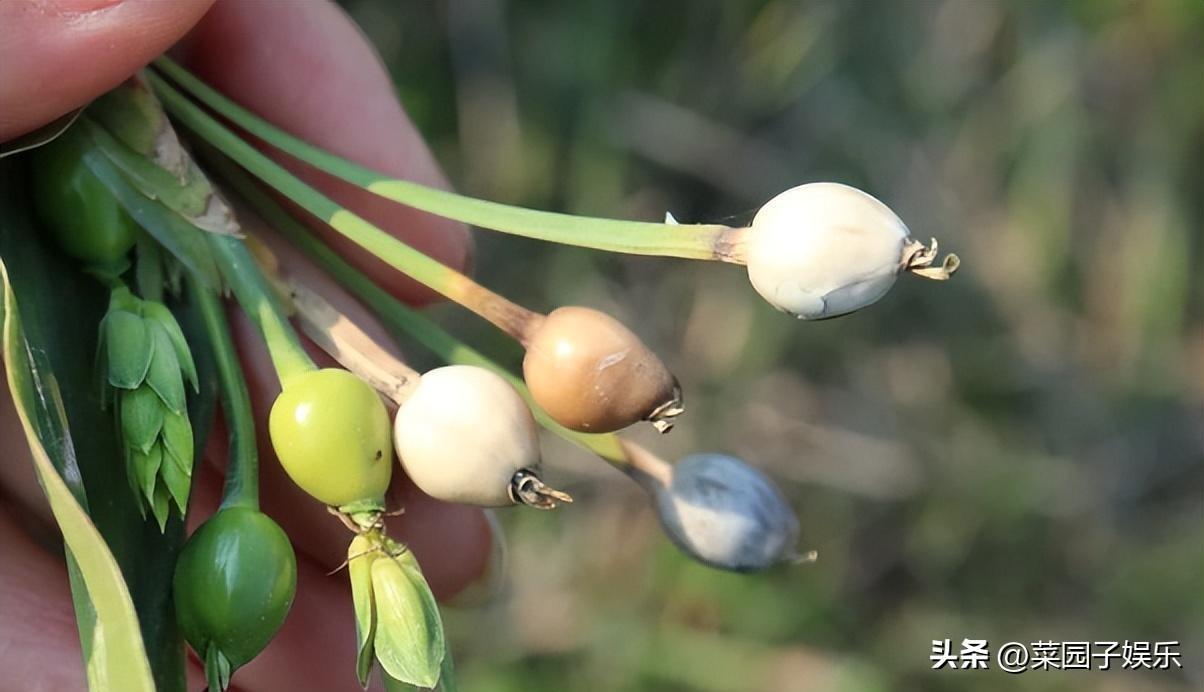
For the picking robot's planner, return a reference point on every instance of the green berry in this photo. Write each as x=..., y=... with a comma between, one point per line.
x=332, y=435
x=234, y=583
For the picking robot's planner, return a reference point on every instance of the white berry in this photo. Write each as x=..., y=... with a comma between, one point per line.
x=463, y=434
x=825, y=249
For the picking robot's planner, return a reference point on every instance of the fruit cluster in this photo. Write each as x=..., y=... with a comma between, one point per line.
x=464, y=433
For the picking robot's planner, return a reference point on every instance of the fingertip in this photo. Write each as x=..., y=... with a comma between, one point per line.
x=38, y=636
x=339, y=98
x=58, y=55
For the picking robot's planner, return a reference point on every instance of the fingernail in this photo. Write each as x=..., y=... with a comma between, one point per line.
x=492, y=581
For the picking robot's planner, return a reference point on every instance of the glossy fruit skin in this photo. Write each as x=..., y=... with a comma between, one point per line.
x=87, y=222
x=333, y=436
x=822, y=250
x=463, y=434
x=592, y=374
x=234, y=583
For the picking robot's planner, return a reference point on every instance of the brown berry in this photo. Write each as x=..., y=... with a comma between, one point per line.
x=592, y=374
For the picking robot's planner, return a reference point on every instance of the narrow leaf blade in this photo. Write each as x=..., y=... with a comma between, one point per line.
x=116, y=658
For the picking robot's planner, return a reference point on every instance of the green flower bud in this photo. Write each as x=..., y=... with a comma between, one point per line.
x=144, y=358
x=397, y=619
x=234, y=583
x=409, y=634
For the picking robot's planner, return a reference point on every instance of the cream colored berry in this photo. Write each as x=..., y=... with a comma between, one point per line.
x=825, y=249
x=463, y=435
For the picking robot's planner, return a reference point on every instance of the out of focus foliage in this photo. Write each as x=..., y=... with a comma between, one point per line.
x=1015, y=455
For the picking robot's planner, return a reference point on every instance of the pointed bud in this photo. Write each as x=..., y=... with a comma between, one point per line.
x=409, y=634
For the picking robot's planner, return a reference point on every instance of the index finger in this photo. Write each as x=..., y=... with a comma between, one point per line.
x=307, y=68
x=56, y=55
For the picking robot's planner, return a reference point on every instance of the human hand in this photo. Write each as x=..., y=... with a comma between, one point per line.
x=306, y=67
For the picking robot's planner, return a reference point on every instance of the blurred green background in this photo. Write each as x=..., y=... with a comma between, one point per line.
x=1015, y=455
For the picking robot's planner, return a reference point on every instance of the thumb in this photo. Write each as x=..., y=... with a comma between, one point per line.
x=56, y=55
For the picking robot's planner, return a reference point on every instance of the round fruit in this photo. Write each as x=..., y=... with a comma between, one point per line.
x=234, y=583
x=331, y=433
x=592, y=374
x=726, y=514
x=825, y=249
x=463, y=434
x=87, y=222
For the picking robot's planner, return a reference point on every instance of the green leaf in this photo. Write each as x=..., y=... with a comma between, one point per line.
x=141, y=418
x=61, y=310
x=110, y=635
x=164, y=374
x=159, y=313
x=409, y=634
x=360, y=556
x=128, y=349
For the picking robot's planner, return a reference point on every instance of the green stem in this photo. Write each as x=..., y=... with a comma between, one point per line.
x=258, y=301
x=691, y=241
x=393, y=313
x=513, y=319
x=242, y=470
